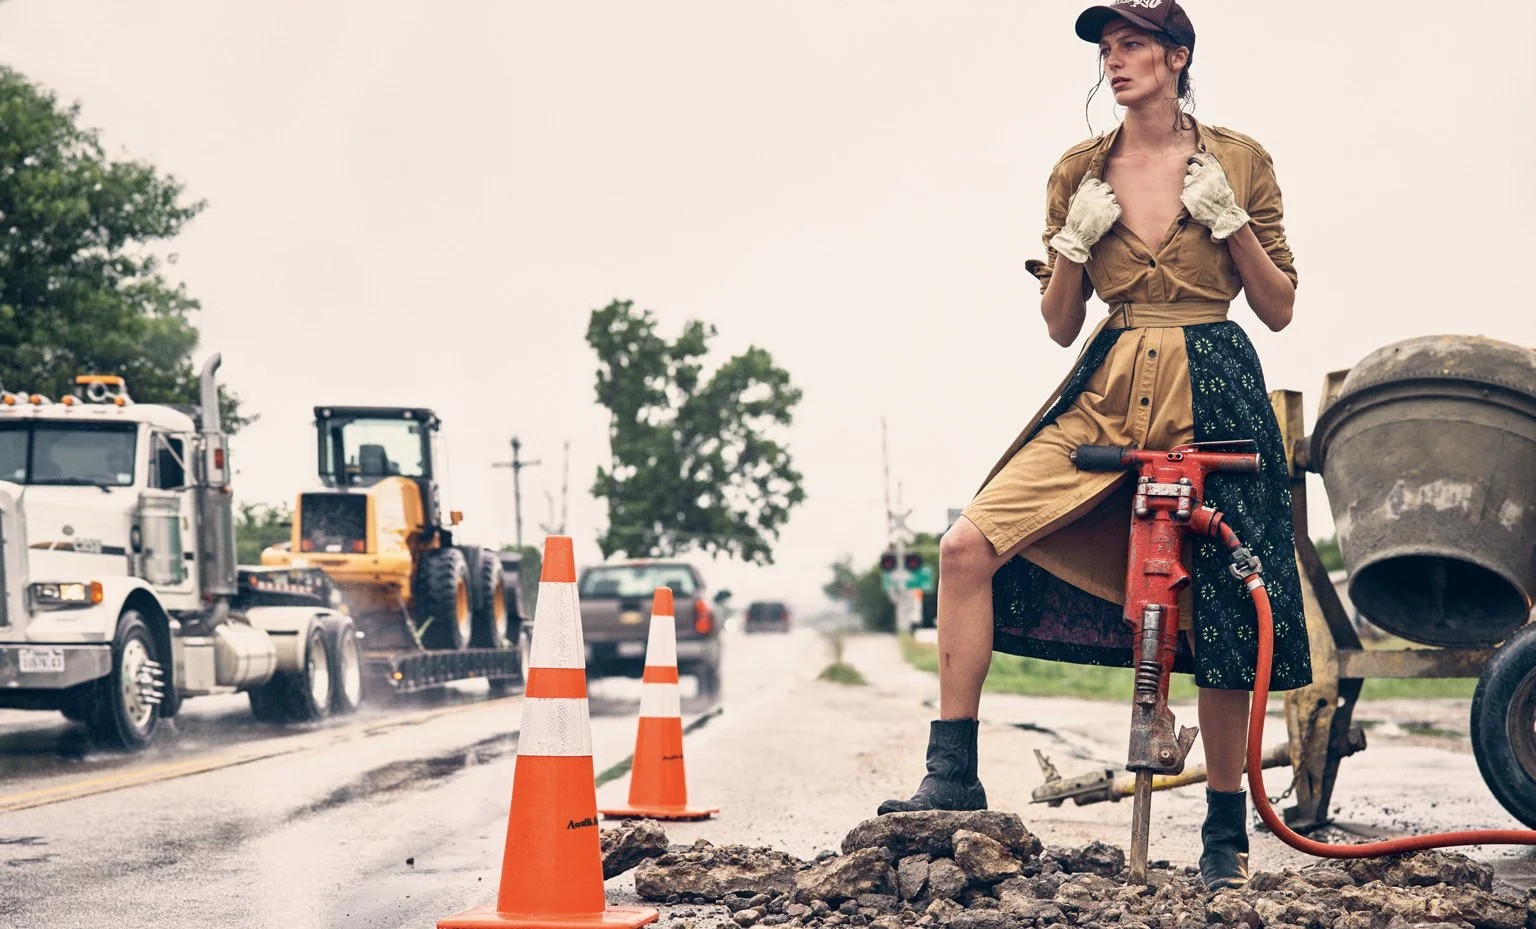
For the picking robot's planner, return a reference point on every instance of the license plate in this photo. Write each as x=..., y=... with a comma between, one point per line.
x=631, y=649
x=42, y=660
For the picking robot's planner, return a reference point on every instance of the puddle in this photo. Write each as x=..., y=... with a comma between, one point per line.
x=414, y=773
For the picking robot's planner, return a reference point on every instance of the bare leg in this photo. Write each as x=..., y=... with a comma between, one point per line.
x=966, y=565
x=1224, y=730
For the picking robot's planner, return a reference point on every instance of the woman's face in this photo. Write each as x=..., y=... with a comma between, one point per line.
x=1136, y=65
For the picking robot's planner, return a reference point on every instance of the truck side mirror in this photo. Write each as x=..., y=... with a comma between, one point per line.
x=721, y=597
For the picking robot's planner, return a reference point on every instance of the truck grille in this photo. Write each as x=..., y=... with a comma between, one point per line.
x=334, y=523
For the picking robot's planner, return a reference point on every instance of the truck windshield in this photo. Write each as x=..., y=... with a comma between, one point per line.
x=637, y=580
x=98, y=454
x=373, y=448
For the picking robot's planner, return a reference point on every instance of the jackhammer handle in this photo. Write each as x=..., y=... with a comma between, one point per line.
x=1246, y=464
x=1100, y=457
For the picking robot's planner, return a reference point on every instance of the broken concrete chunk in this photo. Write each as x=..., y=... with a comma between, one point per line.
x=1421, y=869
x=979, y=919
x=946, y=879
x=1094, y=858
x=630, y=843
x=912, y=876
x=983, y=858
x=712, y=873
x=932, y=832
x=865, y=871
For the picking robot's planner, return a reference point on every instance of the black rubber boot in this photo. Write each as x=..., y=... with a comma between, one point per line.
x=1224, y=858
x=951, y=782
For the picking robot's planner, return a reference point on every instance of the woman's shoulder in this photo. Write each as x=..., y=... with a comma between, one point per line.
x=1073, y=163
x=1237, y=142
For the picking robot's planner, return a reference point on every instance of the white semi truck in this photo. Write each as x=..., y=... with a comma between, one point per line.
x=119, y=592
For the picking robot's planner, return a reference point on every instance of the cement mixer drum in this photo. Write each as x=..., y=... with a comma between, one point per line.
x=1429, y=458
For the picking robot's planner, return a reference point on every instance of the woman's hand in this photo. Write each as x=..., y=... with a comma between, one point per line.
x=1209, y=198
x=1092, y=211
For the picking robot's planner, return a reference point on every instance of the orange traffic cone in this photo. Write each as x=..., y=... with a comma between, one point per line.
x=552, y=870
x=658, y=787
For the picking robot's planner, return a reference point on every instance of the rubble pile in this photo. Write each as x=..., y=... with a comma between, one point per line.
x=985, y=870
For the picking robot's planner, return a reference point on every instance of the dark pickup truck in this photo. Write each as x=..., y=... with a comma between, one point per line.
x=616, y=613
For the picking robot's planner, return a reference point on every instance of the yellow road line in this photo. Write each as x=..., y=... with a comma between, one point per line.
x=74, y=790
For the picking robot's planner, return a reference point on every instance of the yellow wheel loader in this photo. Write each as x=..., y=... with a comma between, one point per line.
x=430, y=610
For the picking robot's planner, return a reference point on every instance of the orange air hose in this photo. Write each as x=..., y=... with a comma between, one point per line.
x=1255, y=586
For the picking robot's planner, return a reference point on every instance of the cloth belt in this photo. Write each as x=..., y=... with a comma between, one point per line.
x=1161, y=315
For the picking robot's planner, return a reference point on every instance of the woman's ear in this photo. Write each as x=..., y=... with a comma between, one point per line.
x=1178, y=59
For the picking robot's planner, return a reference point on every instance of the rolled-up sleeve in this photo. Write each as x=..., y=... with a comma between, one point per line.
x=1058, y=196
x=1268, y=216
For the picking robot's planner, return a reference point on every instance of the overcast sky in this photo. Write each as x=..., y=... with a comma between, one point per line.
x=421, y=203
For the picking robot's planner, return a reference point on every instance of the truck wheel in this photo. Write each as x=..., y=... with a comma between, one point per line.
x=301, y=696
x=490, y=599
x=127, y=704
x=444, y=600
x=346, y=666
x=1504, y=725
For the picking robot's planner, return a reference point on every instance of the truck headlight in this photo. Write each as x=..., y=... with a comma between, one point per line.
x=66, y=594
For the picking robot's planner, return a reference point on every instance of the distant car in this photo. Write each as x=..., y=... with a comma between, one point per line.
x=767, y=616
x=616, y=612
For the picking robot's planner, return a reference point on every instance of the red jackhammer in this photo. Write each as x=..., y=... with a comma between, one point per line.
x=1169, y=503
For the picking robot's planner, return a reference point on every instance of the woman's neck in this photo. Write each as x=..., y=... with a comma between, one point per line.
x=1152, y=129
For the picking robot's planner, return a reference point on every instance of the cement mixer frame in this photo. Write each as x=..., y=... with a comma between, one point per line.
x=1319, y=717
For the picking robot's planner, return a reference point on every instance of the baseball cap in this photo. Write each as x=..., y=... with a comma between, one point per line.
x=1165, y=16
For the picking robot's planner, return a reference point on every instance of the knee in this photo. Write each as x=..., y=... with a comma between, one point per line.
x=965, y=552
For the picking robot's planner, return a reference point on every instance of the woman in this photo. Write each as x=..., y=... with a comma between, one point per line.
x=1167, y=220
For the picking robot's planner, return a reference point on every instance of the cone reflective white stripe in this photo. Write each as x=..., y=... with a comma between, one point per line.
x=658, y=785
x=557, y=639
x=661, y=643
x=555, y=727
x=660, y=701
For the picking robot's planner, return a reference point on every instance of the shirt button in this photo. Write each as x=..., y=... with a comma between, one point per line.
x=1151, y=353
x=1183, y=220
x=1151, y=262
x=1145, y=401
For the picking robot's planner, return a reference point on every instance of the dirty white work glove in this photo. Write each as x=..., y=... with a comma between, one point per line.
x=1091, y=212
x=1209, y=197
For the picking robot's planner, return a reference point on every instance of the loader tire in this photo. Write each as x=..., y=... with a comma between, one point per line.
x=126, y=709
x=1504, y=725
x=489, y=597
x=443, y=600
x=299, y=696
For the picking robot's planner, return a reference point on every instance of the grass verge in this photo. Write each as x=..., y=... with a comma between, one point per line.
x=1011, y=674
x=839, y=671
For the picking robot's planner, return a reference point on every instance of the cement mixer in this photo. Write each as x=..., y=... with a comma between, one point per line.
x=1427, y=448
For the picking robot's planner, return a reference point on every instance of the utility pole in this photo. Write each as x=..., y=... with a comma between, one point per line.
x=517, y=464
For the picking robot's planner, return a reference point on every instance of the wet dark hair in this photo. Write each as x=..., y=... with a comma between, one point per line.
x=1184, y=86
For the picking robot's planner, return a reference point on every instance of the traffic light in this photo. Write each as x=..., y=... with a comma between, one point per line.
x=913, y=561
x=888, y=562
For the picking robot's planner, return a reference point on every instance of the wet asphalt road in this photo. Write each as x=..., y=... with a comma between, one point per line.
x=395, y=817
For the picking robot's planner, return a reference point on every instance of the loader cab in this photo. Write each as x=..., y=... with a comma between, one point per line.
x=360, y=446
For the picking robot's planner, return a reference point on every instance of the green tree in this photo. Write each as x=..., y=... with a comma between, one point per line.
x=259, y=525
x=81, y=289
x=694, y=460
x=863, y=592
